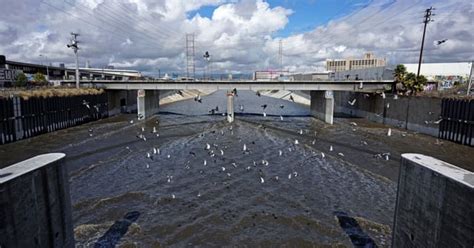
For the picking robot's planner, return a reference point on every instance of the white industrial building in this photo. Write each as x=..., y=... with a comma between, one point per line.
x=434, y=70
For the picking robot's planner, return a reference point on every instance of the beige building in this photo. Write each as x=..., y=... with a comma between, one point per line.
x=368, y=61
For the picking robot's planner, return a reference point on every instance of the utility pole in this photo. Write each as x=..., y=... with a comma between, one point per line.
x=469, y=85
x=74, y=47
x=428, y=14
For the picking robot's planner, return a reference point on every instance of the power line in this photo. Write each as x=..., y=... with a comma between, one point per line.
x=150, y=21
x=87, y=10
x=117, y=34
x=119, y=16
x=331, y=37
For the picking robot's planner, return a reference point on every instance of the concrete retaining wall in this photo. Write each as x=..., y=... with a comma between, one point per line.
x=35, y=205
x=435, y=204
x=417, y=114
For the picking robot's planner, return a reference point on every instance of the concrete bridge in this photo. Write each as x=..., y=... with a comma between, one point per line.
x=322, y=100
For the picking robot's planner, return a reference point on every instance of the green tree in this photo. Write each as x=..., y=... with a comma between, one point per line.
x=421, y=82
x=407, y=82
x=21, y=80
x=400, y=74
x=39, y=79
x=414, y=84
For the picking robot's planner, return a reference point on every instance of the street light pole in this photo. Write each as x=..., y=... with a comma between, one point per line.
x=77, y=69
x=47, y=68
x=74, y=47
x=207, y=58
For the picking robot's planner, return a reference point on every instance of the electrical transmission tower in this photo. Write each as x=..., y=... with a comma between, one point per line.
x=428, y=14
x=280, y=56
x=190, y=52
x=75, y=47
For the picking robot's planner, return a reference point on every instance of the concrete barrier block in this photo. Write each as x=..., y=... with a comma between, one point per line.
x=35, y=205
x=435, y=204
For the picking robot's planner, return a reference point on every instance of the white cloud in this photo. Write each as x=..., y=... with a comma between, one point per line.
x=240, y=35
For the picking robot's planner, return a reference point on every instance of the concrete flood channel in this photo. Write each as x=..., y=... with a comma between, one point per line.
x=187, y=195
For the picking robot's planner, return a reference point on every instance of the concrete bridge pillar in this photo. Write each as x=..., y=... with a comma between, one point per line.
x=322, y=105
x=148, y=102
x=230, y=107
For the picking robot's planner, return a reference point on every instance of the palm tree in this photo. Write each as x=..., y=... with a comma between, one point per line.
x=400, y=74
x=414, y=84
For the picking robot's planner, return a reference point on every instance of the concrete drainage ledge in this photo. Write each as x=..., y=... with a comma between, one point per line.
x=35, y=204
x=435, y=204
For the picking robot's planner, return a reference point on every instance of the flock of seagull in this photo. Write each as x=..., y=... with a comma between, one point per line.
x=213, y=150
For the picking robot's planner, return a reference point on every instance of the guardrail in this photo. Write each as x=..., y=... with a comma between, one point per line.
x=35, y=204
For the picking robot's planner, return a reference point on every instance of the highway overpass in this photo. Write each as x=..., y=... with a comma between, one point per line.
x=322, y=100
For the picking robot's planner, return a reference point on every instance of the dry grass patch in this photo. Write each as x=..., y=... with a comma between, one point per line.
x=47, y=92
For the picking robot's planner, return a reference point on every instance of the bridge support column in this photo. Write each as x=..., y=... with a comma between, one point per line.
x=230, y=107
x=148, y=102
x=322, y=105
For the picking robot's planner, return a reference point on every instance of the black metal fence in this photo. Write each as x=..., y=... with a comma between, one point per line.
x=21, y=119
x=457, y=123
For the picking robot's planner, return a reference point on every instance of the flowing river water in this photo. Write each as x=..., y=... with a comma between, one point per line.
x=298, y=183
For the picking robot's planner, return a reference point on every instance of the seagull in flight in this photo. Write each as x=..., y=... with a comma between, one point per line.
x=198, y=98
x=86, y=104
x=439, y=42
x=352, y=102
x=234, y=91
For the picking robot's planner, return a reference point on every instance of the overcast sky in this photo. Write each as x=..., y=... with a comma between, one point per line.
x=241, y=35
